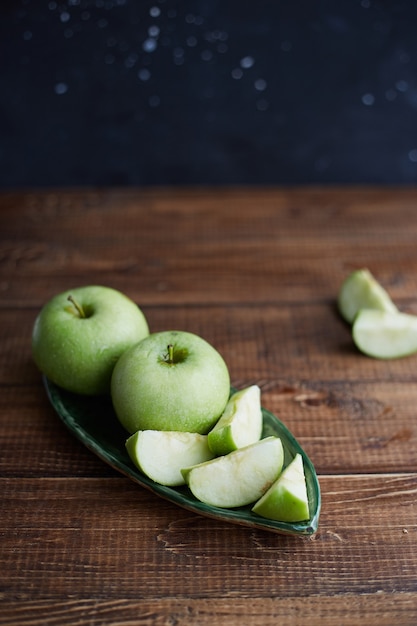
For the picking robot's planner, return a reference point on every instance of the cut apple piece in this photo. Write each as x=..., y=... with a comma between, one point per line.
x=238, y=478
x=361, y=290
x=384, y=335
x=286, y=500
x=240, y=424
x=160, y=454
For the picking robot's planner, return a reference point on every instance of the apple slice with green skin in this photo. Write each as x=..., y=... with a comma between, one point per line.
x=286, y=500
x=238, y=478
x=384, y=335
x=240, y=424
x=160, y=454
x=361, y=290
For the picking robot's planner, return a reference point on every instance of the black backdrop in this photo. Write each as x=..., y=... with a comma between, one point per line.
x=131, y=92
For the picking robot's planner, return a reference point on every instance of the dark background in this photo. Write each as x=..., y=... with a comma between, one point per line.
x=130, y=92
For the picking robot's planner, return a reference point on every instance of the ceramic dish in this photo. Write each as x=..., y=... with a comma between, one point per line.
x=93, y=421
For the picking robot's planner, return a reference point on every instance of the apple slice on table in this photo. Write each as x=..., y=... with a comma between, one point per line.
x=238, y=478
x=361, y=290
x=240, y=424
x=385, y=335
x=286, y=500
x=160, y=455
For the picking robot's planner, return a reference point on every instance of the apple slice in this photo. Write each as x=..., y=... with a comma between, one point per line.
x=360, y=290
x=160, y=454
x=286, y=500
x=385, y=335
x=240, y=424
x=238, y=478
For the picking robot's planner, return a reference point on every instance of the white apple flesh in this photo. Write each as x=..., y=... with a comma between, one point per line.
x=161, y=455
x=286, y=500
x=79, y=335
x=238, y=478
x=384, y=335
x=172, y=380
x=240, y=424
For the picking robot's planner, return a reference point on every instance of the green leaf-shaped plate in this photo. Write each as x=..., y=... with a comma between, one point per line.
x=93, y=421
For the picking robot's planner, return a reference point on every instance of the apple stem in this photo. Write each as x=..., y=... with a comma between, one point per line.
x=170, y=353
x=79, y=308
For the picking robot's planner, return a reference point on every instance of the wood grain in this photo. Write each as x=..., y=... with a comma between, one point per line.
x=256, y=272
x=105, y=539
x=349, y=610
x=206, y=246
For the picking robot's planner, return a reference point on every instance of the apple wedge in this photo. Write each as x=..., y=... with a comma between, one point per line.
x=360, y=290
x=160, y=454
x=238, y=478
x=240, y=424
x=286, y=500
x=385, y=335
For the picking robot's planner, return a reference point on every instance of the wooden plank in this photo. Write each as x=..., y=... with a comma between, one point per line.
x=307, y=342
x=380, y=609
x=109, y=538
x=285, y=246
x=351, y=413
x=256, y=272
x=352, y=428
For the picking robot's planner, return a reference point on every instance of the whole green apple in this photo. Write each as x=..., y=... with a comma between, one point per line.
x=80, y=334
x=172, y=380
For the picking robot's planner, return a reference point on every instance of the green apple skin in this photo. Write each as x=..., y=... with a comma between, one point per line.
x=187, y=393
x=384, y=335
x=238, y=478
x=286, y=500
x=160, y=454
x=79, y=353
x=360, y=290
x=240, y=424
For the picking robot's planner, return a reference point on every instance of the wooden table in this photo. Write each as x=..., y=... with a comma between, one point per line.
x=256, y=272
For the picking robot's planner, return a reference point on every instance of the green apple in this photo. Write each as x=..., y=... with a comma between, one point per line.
x=360, y=290
x=238, y=478
x=286, y=500
x=385, y=335
x=172, y=380
x=240, y=424
x=161, y=454
x=79, y=335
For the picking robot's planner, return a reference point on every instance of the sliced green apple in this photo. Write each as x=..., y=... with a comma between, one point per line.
x=286, y=500
x=385, y=335
x=160, y=454
x=238, y=478
x=240, y=424
x=360, y=290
